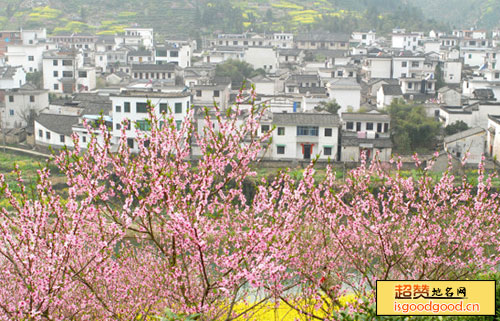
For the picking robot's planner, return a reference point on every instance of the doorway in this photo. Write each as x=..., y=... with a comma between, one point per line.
x=307, y=151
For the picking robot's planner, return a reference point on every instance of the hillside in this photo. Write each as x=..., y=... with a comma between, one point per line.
x=198, y=17
x=463, y=13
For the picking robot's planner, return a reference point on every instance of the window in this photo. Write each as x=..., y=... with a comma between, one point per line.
x=61, y=138
x=82, y=74
x=403, y=75
x=163, y=108
x=497, y=75
x=281, y=131
x=118, y=109
x=327, y=151
x=11, y=112
x=410, y=85
x=32, y=99
x=340, y=73
x=67, y=63
x=307, y=131
x=178, y=108
x=178, y=124
x=130, y=142
x=216, y=93
x=56, y=73
x=141, y=108
x=47, y=135
x=84, y=139
x=11, y=99
x=31, y=58
x=358, y=126
x=126, y=107
x=369, y=126
x=118, y=126
x=67, y=74
x=415, y=64
x=55, y=63
x=198, y=93
x=280, y=150
x=143, y=125
x=328, y=132
x=386, y=127
x=379, y=127
x=350, y=125
x=404, y=64
x=56, y=86
x=264, y=128
x=174, y=54
x=40, y=133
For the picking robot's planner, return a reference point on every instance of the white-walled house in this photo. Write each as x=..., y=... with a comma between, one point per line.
x=141, y=57
x=54, y=130
x=19, y=103
x=406, y=41
x=493, y=137
x=405, y=66
x=302, y=136
x=452, y=71
x=387, y=93
x=449, y=96
x=472, y=141
x=262, y=58
x=283, y=40
x=264, y=85
x=474, y=115
x=64, y=72
x=367, y=133
x=33, y=36
x=377, y=67
x=364, y=38
x=132, y=105
x=27, y=56
x=12, y=77
x=137, y=37
x=176, y=53
x=474, y=57
x=347, y=93
x=207, y=95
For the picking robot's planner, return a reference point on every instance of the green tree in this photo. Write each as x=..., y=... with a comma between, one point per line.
x=269, y=15
x=412, y=129
x=330, y=106
x=438, y=74
x=456, y=127
x=36, y=78
x=237, y=70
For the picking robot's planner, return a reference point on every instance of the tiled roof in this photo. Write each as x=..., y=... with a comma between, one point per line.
x=392, y=90
x=306, y=119
x=463, y=134
x=61, y=124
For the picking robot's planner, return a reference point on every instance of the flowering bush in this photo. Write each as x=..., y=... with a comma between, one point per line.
x=143, y=233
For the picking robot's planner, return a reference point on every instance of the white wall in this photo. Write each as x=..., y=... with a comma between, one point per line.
x=21, y=106
x=452, y=72
x=346, y=98
x=133, y=116
x=265, y=58
x=475, y=145
x=54, y=140
x=27, y=56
